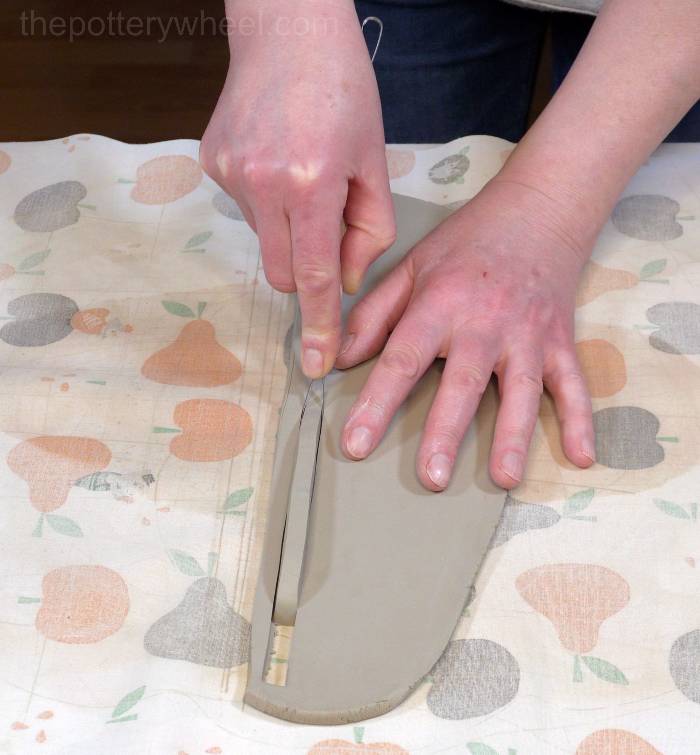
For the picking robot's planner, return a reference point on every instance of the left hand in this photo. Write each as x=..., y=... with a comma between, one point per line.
x=492, y=290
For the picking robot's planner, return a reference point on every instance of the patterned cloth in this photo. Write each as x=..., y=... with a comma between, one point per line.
x=142, y=367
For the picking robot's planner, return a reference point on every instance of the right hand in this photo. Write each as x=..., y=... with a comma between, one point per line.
x=297, y=140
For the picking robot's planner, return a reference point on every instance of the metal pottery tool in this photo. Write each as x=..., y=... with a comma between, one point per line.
x=364, y=573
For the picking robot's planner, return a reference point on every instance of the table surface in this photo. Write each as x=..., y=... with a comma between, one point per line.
x=141, y=370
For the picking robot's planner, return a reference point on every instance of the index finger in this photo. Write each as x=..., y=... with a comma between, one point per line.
x=316, y=235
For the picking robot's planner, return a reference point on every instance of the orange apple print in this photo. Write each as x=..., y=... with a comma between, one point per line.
x=51, y=464
x=577, y=599
x=195, y=358
x=212, y=430
x=82, y=604
x=400, y=162
x=603, y=365
x=166, y=179
x=5, y=161
x=344, y=747
x=615, y=742
x=91, y=321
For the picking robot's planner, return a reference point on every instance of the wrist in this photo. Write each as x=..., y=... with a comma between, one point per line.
x=566, y=197
x=528, y=200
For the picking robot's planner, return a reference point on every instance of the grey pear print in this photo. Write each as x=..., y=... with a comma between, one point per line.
x=684, y=664
x=519, y=517
x=473, y=678
x=51, y=208
x=625, y=438
x=450, y=170
x=679, y=327
x=39, y=319
x=227, y=206
x=202, y=629
x=648, y=217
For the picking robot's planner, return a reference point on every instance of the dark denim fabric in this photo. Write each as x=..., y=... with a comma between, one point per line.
x=447, y=68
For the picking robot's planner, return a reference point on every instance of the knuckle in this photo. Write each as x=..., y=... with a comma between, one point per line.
x=306, y=177
x=402, y=360
x=256, y=174
x=529, y=381
x=446, y=435
x=373, y=410
x=387, y=236
x=513, y=437
x=314, y=279
x=469, y=378
x=225, y=161
x=574, y=378
x=366, y=317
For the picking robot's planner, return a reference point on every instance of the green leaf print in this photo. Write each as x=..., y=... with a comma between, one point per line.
x=33, y=260
x=186, y=564
x=479, y=748
x=127, y=702
x=652, y=268
x=578, y=501
x=175, y=308
x=236, y=499
x=604, y=670
x=64, y=525
x=671, y=508
x=199, y=239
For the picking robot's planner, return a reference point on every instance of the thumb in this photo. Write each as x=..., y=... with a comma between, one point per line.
x=371, y=227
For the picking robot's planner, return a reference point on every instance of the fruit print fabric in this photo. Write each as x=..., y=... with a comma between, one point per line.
x=195, y=358
x=82, y=604
x=202, y=629
x=648, y=217
x=626, y=437
x=227, y=206
x=51, y=207
x=51, y=465
x=615, y=742
x=576, y=598
x=38, y=319
x=166, y=179
x=143, y=367
x=678, y=327
x=472, y=679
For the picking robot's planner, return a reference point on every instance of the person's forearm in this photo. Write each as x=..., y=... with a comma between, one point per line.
x=635, y=78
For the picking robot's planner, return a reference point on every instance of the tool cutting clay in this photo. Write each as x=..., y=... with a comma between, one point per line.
x=364, y=573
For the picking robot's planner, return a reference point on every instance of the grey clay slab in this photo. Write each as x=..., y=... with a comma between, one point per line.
x=389, y=565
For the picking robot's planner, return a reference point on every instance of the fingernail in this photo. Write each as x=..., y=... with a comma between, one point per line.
x=360, y=442
x=313, y=362
x=588, y=450
x=438, y=470
x=511, y=464
x=346, y=343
